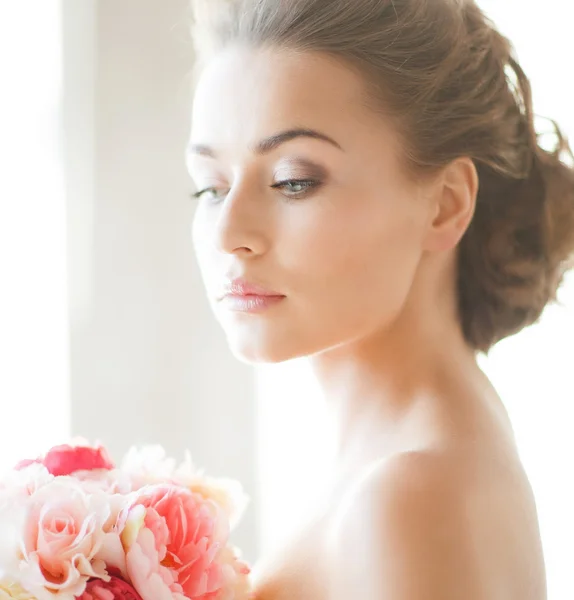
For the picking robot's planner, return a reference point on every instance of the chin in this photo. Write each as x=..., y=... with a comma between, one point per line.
x=265, y=346
x=258, y=353
x=261, y=341
x=261, y=350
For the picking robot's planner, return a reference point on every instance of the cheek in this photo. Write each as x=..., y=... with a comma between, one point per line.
x=360, y=263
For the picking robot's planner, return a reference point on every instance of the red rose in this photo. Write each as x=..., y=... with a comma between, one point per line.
x=115, y=589
x=65, y=460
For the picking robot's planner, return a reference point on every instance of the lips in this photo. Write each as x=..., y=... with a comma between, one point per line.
x=250, y=304
x=242, y=296
x=246, y=289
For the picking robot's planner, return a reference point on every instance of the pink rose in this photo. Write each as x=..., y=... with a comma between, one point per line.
x=150, y=465
x=63, y=531
x=65, y=460
x=27, y=480
x=115, y=589
x=111, y=551
x=173, y=539
x=112, y=481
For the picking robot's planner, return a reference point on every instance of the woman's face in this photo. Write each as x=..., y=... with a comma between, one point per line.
x=304, y=196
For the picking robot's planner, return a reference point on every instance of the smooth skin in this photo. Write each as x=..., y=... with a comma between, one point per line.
x=304, y=190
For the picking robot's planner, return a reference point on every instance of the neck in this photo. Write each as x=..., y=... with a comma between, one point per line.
x=372, y=385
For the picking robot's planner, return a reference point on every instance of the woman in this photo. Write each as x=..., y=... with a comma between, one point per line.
x=372, y=196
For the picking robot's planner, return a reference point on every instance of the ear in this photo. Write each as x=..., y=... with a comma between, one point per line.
x=454, y=204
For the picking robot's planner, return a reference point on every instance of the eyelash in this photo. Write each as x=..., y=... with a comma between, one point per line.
x=308, y=184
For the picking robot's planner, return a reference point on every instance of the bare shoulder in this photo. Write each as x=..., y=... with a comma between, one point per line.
x=430, y=526
x=406, y=493
x=405, y=477
x=415, y=475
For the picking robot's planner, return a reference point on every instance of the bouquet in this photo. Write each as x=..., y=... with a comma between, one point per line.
x=73, y=525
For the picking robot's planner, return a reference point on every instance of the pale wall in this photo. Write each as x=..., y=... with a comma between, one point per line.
x=148, y=362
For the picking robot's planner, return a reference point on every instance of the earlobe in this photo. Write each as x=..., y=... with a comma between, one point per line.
x=454, y=205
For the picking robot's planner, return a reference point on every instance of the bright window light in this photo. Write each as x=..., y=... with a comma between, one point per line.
x=33, y=301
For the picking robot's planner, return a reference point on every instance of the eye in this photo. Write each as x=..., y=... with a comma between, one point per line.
x=296, y=188
x=211, y=193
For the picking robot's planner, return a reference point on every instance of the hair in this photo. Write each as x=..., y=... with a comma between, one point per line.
x=456, y=87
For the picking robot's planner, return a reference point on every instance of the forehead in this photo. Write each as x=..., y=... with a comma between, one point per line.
x=245, y=94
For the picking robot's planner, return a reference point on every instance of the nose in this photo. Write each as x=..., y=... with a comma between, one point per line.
x=242, y=226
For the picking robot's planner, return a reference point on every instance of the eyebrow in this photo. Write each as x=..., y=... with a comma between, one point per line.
x=270, y=143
